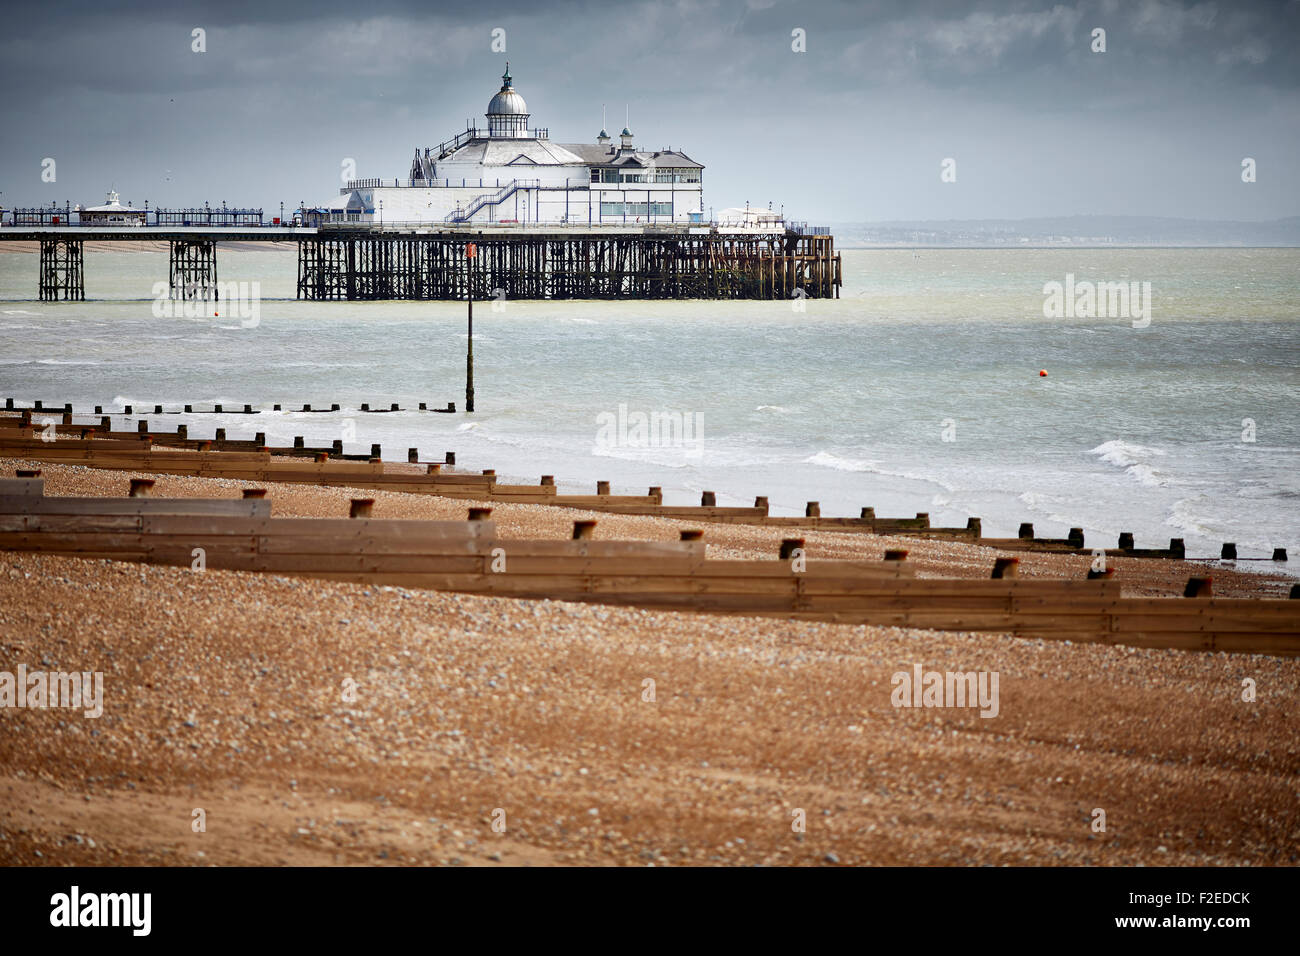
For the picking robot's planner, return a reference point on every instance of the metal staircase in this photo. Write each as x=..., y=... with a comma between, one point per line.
x=496, y=198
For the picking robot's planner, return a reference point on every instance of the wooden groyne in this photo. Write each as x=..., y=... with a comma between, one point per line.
x=97, y=445
x=468, y=556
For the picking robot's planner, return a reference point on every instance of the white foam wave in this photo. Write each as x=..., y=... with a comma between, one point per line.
x=1135, y=459
x=1187, y=515
x=826, y=460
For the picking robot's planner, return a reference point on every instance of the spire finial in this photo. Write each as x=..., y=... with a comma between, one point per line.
x=505, y=77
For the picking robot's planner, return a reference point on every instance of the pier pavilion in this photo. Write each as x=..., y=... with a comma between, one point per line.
x=510, y=173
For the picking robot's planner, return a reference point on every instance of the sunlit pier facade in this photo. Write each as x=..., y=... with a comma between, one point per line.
x=511, y=174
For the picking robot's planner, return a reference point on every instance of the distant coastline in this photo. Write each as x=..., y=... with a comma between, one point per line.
x=1069, y=232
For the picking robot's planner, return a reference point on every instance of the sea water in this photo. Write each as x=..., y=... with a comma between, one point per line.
x=918, y=390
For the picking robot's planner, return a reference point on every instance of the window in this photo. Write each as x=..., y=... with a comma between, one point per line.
x=670, y=174
x=636, y=210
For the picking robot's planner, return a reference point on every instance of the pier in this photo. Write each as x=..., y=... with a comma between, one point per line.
x=366, y=262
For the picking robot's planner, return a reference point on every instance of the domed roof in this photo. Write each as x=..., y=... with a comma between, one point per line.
x=507, y=102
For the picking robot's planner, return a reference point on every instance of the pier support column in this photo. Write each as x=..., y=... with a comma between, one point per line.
x=61, y=270
x=193, y=273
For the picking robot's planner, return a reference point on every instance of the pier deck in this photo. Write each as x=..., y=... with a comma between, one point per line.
x=351, y=261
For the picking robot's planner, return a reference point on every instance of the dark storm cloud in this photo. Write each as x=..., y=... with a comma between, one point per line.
x=853, y=129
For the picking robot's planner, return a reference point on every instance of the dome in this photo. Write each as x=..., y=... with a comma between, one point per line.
x=507, y=102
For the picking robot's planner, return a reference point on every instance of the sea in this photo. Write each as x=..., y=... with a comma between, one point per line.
x=920, y=389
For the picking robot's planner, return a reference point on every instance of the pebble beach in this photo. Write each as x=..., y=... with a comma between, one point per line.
x=319, y=723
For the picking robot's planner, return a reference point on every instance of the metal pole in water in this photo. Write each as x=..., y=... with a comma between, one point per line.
x=469, y=302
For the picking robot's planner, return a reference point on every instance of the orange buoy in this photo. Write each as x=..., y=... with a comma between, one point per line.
x=1042, y=373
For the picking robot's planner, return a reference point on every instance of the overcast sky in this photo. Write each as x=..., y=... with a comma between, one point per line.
x=855, y=128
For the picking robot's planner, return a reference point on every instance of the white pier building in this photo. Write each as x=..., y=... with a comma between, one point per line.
x=509, y=173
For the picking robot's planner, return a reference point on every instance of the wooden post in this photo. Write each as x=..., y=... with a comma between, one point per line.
x=375, y=452
x=451, y=458
x=433, y=469
x=183, y=432
x=1075, y=537
x=812, y=510
x=1177, y=548
x=548, y=481
x=868, y=514
x=361, y=507
x=896, y=554
x=141, y=487
x=708, y=500
x=1026, y=531
x=322, y=457
x=760, y=501
x=1006, y=567
x=413, y=456
x=259, y=439
x=1279, y=554
x=583, y=530
x=365, y=406
x=297, y=441
x=1229, y=552
x=1199, y=588
x=975, y=525
x=142, y=426
x=221, y=435
x=602, y=487
x=692, y=534
x=789, y=546
x=254, y=492
x=1126, y=541
x=27, y=472
x=479, y=514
